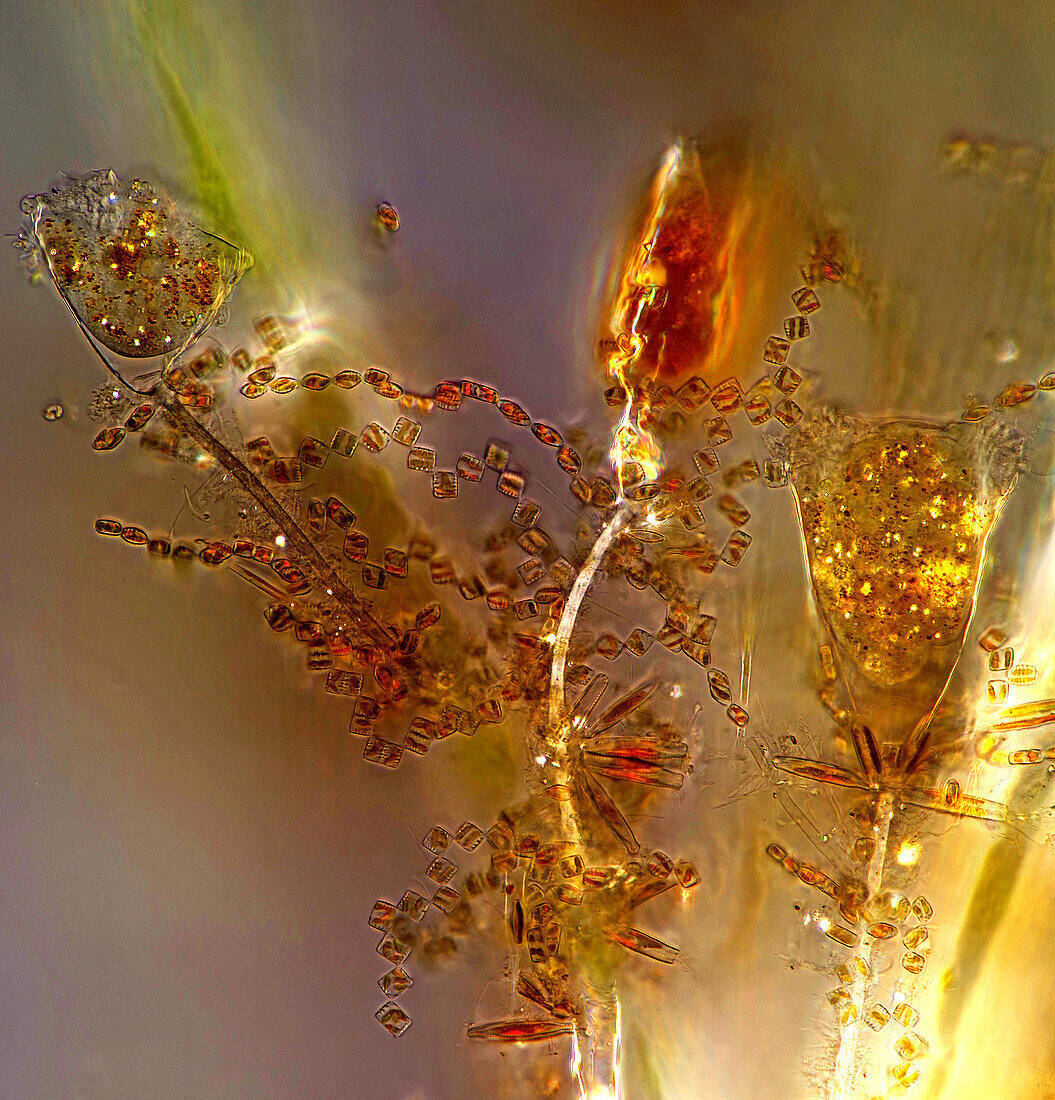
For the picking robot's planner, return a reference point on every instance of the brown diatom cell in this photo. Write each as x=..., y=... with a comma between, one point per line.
x=841, y=935
x=913, y=962
x=852, y=970
x=805, y=300
x=718, y=683
x=141, y=277
x=1026, y=756
x=911, y=1046
x=686, y=875
x=441, y=870
x=633, y=939
x=891, y=906
x=445, y=899
x=922, y=909
x=395, y=982
x=138, y=417
x=787, y=412
x=660, y=865
x=437, y=840
x=733, y=510
x=757, y=408
x=1017, y=394
x=717, y=431
x=796, y=328
x=265, y=371
x=905, y=1014
x=1000, y=660
x=108, y=438
x=392, y=1018
x=500, y=837
x=413, y=905
x=135, y=536
x=382, y=915
x=470, y=468
x=906, y=1074
x=735, y=548
x=1023, y=675
x=787, y=380
x=521, y=1030
x=915, y=937
x=469, y=836
x=387, y=217
x=776, y=350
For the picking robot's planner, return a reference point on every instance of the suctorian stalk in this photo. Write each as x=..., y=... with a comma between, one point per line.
x=596, y=1059
x=295, y=537
x=846, y=1055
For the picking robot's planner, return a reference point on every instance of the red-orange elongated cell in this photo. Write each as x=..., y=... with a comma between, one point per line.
x=520, y=1030
x=676, y=300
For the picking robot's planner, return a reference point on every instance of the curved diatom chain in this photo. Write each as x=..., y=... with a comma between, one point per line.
x=425, y=641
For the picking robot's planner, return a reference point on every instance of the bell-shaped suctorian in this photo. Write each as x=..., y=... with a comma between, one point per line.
x=143, y=279
x=895, y=514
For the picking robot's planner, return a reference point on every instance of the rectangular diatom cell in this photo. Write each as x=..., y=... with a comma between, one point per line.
x=374, y=437
x=413, y=905
x=469, y=836
x=313, y=452
x=445, y=899
x=379, y=751
x=470, y=467
x=339, y=682
x=841, y=935
x=406, y=431
x=422, y=459
x=381, y=915
x=343, y=442
x=444, y=484
x=776, y=350
x=441, y=870
x=717, y=431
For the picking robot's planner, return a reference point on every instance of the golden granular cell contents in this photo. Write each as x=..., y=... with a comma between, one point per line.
x=894, y=516
x=53, y=411
x=142, y=278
